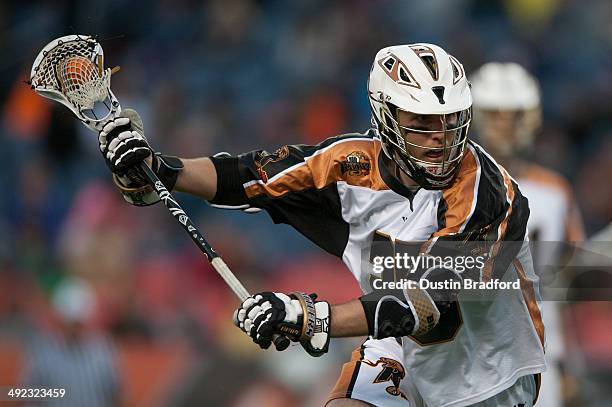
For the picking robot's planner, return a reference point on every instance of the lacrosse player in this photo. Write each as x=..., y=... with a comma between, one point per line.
x=413, y=177
x=507, y=118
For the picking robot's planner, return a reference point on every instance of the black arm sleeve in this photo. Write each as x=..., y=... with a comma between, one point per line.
x=229, y=186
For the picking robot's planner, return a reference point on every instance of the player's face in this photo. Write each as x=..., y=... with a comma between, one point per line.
x=428, y=132
x=498, y=130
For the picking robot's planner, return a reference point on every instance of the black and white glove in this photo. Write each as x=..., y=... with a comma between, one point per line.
x=124, y=147
x=296, y=316
x=123, y=144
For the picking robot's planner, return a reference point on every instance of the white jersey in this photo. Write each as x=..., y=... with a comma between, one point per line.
x=340, y=195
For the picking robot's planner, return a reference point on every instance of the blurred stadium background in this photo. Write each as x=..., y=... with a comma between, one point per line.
x=150, y=320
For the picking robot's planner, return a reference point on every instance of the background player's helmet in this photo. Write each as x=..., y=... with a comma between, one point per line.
x=507, y=107
x=425, y=80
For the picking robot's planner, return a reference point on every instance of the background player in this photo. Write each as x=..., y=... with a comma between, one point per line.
x=508, y=115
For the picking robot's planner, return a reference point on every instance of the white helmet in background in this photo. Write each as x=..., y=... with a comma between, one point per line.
x=507, y=107
x=421, y=79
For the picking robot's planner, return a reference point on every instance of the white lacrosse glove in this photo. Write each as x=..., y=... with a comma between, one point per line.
x=296, y=316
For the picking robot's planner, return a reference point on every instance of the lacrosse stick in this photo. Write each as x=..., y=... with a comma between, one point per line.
x=70, y=70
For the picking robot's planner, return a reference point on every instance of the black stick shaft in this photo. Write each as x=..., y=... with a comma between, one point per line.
x=187, y=224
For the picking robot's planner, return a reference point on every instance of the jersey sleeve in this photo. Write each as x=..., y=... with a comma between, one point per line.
x=296, y=185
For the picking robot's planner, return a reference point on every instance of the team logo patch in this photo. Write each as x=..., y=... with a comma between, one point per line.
x=356, y=164
x=265, y=159
x=393, y=371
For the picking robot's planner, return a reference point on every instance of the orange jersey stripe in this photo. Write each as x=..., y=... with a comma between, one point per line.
x=342, y=387
x=530, y=299
x=460, y=196
x=510, y=197
x=322, y=169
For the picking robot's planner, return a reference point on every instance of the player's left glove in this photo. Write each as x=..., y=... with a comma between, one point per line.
x=124, y=147
x=296, y=316
x=122, y=142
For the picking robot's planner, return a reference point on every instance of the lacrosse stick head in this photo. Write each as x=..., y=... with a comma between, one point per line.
x=70, y=70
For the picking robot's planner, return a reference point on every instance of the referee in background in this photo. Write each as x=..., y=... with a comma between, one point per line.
x=74, y=358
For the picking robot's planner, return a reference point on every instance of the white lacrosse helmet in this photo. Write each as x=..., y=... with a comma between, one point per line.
x=506, y=87
x=421, y=79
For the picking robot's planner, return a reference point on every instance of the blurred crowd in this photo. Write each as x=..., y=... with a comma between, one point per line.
x=236, y=75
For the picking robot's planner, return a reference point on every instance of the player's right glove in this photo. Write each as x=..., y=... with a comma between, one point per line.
x=296, y=316
x=124, y=147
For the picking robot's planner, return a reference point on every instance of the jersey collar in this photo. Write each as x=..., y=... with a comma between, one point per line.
x=384, y=163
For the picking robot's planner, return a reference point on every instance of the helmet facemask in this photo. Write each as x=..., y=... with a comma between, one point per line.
x=434, y=173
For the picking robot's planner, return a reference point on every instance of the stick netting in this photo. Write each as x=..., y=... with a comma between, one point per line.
x=68, y=68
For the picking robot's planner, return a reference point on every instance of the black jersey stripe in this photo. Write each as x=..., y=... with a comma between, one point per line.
x=491, y=202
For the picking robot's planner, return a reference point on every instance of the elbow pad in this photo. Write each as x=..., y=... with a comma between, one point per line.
x=413, y=310
x=230, y=191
